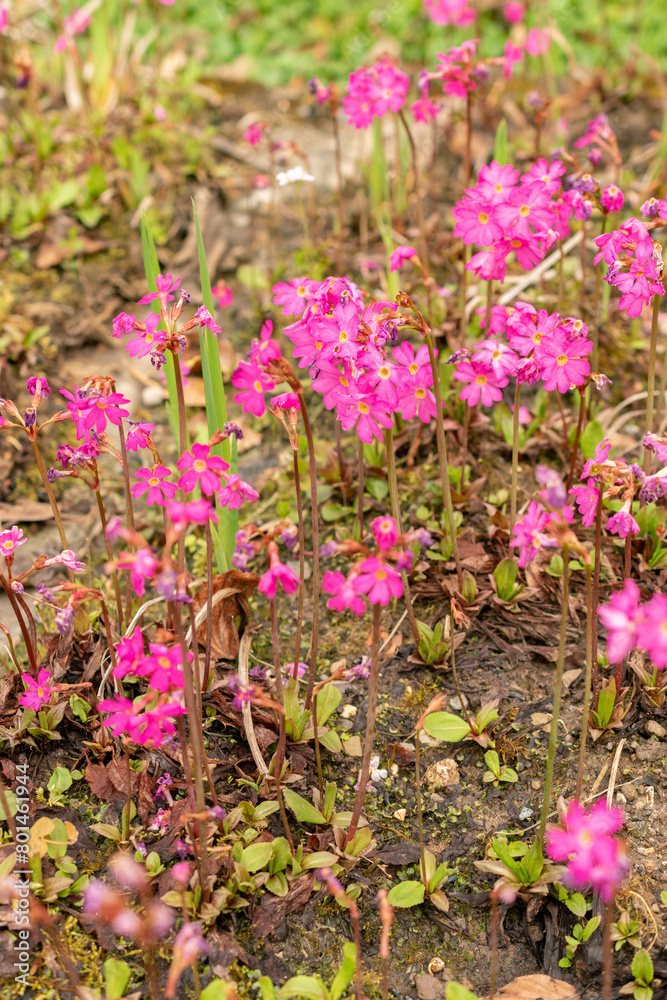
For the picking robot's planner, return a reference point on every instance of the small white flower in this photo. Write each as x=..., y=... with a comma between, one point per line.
x=377, y=774
x=293, y=175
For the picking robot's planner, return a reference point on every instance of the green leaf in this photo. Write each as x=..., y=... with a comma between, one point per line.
x=406, y=894
x=576, y=904
x=500, y=143
x=310, y=987
x=304, y=811
x=493, y=762
x=216, y=407
x=328, y=700
x=106, y=830
x=591, y=436
x=508, y=774
x=502, y=852
x=378, y=488
x=256, y=856
x=267, y=989
x=505, y=575
x=346, y=970
x=487, y=714
x=79, y=707
x=251, y=276
x=220, y=989
x=277, y=884
x=116, y=977
x=533, y=863
x=329, y=797
x=60, y=780
x=319, y=859
x=332, y=512
x=445, y=726
x=265, y=809
x=331, y=741
x=642, y=967
x=152, y=269
x=606, y=702
x=643, y=993
x=590, y=928
x=11, y=804
x=457, y=992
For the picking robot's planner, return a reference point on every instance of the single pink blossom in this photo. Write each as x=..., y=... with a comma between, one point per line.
x=378, y=580
x=10, y=539
x=594, y=856
x=621, y=618
x=37, y=691
x=154, y=484
x=200, y=468
x=399, y=256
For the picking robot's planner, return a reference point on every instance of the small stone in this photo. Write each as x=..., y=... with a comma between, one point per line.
x=348, y=711
x=621, y=799
x=435, y=966
x=444, y=772
x=526, y=813
x=400, y=814
x=394, y=769
x=429, y=988
x=654, y=728
x=455, y=703
x=426, y=740
x=651, y=751
x=535, y=784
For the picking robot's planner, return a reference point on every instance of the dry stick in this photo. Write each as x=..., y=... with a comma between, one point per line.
x=651, y=376
x=280, y=749
x=246, y=711
x=360, y=488
x=596, y=598
x=32, y=653
x=209, y=607
x=30, y=620
x=128, y=804
x=302, y=563
x=587, y=682
x=462, y=703
x=396, y=512
x=443, y=460
x=371, y=716
x=577, y=438
x=114, y=574
x=464, y=447
x=558, y=690
x=110, y=644
x=341, y=460
x=187, y=773
x=515, y=456
x=420, y=817
x=312, y=467
x=195, y=667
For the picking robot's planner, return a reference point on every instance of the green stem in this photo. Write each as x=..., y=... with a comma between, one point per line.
x=558, y=689
x=515, y=456
x=360, y=488
x=396, y=513
x=596, y=305
x=302, y=564
x=651, y=375
x=443, y=459
x=52, y=500
x=312, y=468
x=371, y=716
x=587, y=682
x=114, y=574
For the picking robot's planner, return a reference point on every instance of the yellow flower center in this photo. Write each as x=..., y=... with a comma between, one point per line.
x=342, y=336
x=149, y=338
x=483, y=218
x=524, y=211
x=199, y=465
x=413, y=369
x=420, y=393
x=153, y=481
x=537, y=338
x=318, y=345
x=363, y=408
x=344, y=381
x=495, y=355
x=40, y=692
x=9, y=544
x=380, y=574
x=499, y=188
x=384, y=372
x=301, y=290
x=102, y=404
x=516, y=243
x=257, y=386
x=480, y=380
x=562, y=359
x=164, y=661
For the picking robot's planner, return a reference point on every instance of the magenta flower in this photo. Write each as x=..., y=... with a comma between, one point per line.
x=253, y=383
x=529, y=536
x=611, y=198
x=623, y=523
x=594, y=856
x=398, y=258
x=223, y=294
x=514, y=11
x=385, y=531
x=563, y=361
x=138, y=435
x=142, y=565
x=621, y=618
x=201, y=468
x=37, y=691
x=586, y=498
x=293, y=295
x=378, y=580
x=148, y=339
x=197, y=511
x=67, y=558
x=652, y=630
x=154, y=484
x=593, y=466
x=482, y=384
x=419, y=402
x=476, y=222
x=278, y=573
x=455, y=12
x=365, y=416
x=343, y=593
x=10, y=539
x=37, y=384
x=163, y=667
x=96, y=410
x=235, y=492
x=266, y=349
x=122, y=324
x=126, y=718
x=165, y=285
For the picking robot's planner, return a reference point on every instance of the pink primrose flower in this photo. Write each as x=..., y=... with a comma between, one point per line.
x=253, y=383
x=138, y=434
x=10, y=539
x=165, y=285
x=482, y=384
x=529, y=535
x=621, y=618
x=587, y=498
x=200, y=468
x=154, y=484
x=378, y=580
x=594, y=856
x=37, y=691
x=399, y=256
x=343, y=593
x=235, y=492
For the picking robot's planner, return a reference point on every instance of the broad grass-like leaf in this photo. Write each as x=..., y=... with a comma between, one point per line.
x=152, y=269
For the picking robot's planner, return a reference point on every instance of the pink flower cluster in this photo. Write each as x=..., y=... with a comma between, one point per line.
x=630, y=624
x=455, y=12
x=374, y=90
x=540, y=345
x=507, y=216
x=635, y=264
x=250, y=377
x=150, y=717
x=594, y=856
x=91, y=411
x=348, y=348
x=376, y=577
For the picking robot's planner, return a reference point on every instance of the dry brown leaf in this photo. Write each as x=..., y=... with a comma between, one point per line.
x=538, y=987
x=224, y=633
x=273, y=909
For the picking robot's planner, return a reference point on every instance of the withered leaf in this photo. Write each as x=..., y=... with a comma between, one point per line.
x=400, y=754
x=232, y=590
x=94, y=662
x=538, y=987
x=99, y=782
x=275, y=908
x=146, y=805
